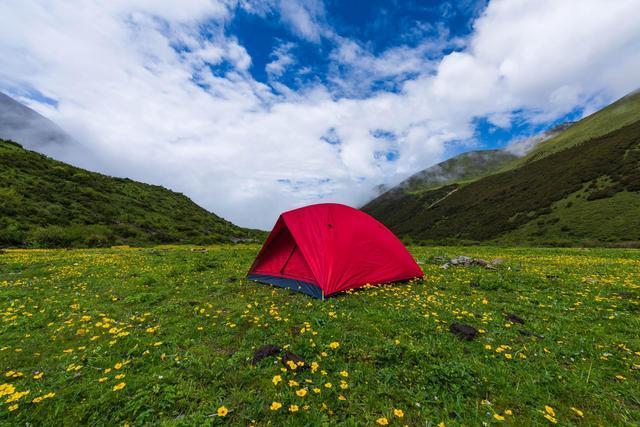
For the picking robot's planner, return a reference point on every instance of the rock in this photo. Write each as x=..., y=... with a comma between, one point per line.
x=466, y=261
x=514, y=318
x=265, y=351
x=466, y=332
x=295, y=359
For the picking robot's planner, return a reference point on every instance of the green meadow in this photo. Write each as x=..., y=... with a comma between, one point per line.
x=167, y=335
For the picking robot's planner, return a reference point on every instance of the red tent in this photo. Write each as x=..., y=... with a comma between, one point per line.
x=327, y=248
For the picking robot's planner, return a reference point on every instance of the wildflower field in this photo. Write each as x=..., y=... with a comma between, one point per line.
x=167, y=335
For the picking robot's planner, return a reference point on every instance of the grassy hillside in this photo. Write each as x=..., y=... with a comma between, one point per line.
x=165, y=336
x=621, y=113
x=594, y=171
x=49, y=203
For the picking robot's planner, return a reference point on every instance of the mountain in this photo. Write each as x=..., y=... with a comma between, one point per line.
x=49, y=203
x=35, y=132
x=581, y=186
x=463, y=167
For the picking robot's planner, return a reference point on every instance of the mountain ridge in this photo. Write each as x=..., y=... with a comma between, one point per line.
x=549, y=197
x=48, y=203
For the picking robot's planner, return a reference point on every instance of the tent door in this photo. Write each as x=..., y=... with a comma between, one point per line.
x=288, y=258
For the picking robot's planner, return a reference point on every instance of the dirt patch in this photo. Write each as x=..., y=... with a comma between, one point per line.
x=289, y=360
x=265, y=351
x=466, y=332
x=514, y=318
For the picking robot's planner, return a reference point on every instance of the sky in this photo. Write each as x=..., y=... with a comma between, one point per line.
x=255, y=107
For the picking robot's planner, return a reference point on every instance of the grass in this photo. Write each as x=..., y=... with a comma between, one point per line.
x=613, y=219
x=166, y=335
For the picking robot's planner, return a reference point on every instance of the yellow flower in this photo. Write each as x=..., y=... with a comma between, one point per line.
x=442, y=424
x=41, y=398
x=275, y=406
x=578, y=412
x=344, y=374
x=119, y=376
x=498, y=417
x=293, y=383
x=302, y=392
x=276, y=379
x=38, y=375
x=550, y=418
x=341, y=397
x=549, y=410
x=316, y=390
x=328, y=385
x=508, y=355
x=118, y=365
x=119, y=386
x=13, y=407
x=6, y=389
x=103, y=379
x=398, y=413
x=16, y=396
x=334, y=345
x=293, y=408
x=508, y=412
x=382, y=421
x=222, y=411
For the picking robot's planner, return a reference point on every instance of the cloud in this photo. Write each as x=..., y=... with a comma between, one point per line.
x=162, y=93
x=304, y=17
x=282, y=58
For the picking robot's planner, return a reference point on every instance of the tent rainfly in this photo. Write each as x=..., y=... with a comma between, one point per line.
x=328, y=248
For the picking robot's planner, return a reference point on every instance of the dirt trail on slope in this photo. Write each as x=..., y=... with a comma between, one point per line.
x=439, y=200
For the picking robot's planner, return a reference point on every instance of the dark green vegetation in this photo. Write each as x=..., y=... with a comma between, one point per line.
x=165, y=336
x=49, y=203
x=580, y=187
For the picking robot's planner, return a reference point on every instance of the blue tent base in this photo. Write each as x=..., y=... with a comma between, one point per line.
x=294, y=285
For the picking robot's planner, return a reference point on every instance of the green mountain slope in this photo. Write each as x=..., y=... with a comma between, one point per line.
x=585, y=190
x=621, y=113
x=49, y=203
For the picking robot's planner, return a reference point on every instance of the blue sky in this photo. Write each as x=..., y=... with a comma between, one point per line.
x=255, y=107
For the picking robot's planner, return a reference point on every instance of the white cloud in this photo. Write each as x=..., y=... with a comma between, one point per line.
x=304, y=17
x=282, y=58
x=154, y=111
